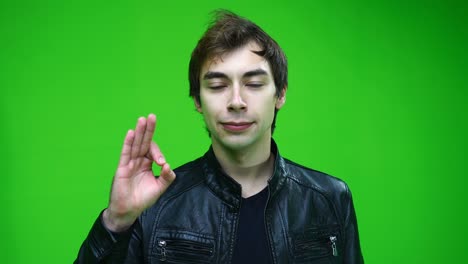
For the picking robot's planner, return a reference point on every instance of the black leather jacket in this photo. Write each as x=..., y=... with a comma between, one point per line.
x=309, y=218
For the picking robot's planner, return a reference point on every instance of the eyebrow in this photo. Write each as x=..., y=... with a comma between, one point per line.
x=214, y=75
x=254, y=73
x=220, y=75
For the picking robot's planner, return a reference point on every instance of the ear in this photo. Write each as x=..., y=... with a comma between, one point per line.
x=281, y=98
x=197, y=105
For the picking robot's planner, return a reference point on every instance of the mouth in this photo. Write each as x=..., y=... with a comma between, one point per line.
x=236, y=126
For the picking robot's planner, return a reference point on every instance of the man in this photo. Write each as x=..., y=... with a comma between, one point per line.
x=239, y=203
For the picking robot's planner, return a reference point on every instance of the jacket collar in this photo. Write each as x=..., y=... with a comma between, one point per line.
x=228, y=189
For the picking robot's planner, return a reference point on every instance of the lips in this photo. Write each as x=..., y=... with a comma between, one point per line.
x=236, y=126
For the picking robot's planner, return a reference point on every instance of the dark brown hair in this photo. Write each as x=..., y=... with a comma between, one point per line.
x=228, y=32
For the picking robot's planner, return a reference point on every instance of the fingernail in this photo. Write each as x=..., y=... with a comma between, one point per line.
x=161, y=160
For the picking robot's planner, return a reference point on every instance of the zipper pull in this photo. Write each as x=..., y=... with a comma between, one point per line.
x=333, y=245
x=162, y=244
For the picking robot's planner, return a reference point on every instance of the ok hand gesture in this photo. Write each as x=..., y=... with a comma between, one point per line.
x=135, y=186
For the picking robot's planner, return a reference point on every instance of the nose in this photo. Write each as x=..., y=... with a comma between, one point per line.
x=236, y=103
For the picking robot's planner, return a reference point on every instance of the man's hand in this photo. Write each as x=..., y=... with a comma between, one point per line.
x=135, y=187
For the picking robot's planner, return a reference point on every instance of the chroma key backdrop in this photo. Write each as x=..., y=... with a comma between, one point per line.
x=377, y=97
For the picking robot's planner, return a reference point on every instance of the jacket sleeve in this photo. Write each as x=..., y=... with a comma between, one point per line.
x=103, y=246
x=352, y=248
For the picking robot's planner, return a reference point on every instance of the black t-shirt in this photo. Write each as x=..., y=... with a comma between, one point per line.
x=252, y=243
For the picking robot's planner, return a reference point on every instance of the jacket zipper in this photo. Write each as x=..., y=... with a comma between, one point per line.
x=186, y=246
x=162, y=244
x=333, y=245
x=265, y=220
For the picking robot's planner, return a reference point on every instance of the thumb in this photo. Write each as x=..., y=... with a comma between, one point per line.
x=167, y=175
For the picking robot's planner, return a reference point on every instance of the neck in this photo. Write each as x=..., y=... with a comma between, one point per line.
x=250, y=167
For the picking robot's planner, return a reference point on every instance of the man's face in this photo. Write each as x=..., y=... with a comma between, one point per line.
x=238, y=99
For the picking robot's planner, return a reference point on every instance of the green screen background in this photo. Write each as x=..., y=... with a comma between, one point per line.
x=377, y=97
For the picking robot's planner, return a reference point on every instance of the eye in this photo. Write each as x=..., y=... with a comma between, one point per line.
x=254, y=84
x=216, y=85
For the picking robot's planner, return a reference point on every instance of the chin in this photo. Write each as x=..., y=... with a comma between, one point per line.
x=236, y=142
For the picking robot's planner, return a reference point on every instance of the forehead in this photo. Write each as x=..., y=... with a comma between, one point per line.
x=237, y=62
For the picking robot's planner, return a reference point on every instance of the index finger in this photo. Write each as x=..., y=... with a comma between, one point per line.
x=156, y=154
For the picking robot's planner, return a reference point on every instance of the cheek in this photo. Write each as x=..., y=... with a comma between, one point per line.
x=269, y=105
x=270, y=110
x=208, y=109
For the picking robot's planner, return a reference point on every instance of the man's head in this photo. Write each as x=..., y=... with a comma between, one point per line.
x=227, y=33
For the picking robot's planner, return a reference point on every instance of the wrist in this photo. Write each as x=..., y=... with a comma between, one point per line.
x=114, y=223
